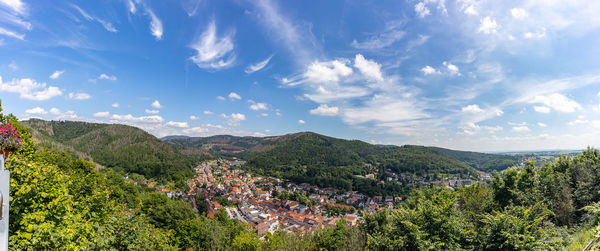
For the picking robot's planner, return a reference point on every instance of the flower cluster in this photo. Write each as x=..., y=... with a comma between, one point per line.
x=10, y=138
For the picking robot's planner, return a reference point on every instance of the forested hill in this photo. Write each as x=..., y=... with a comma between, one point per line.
x=233, y=146
x=115, y=146
x=482, y=161
x=227, y=145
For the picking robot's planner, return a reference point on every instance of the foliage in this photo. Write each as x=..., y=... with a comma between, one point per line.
x=116, y=146
x=483, y=161
x=329, y=162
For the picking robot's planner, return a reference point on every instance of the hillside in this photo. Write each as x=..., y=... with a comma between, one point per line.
x=227, y=145
x=482, y=161
x=119, y=147
x=330, y=162
x=233, y=146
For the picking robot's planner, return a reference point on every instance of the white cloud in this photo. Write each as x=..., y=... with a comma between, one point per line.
x=537, y=34
x=30, y=89
x=301, y=122
x=259, y=106
x=56, y=74
x=206, y=112
x=131, y=6
x=325, y=110
x=12, y=34
x=472, y=109
x=557, y=102
x=322, y=94
x=37, y=110
x=194, y=117
x=156, y=104
x=519, y=13
x=488, y=25
x=79, y=96
x=428, y=70
x=540, y=124
x=107, y=77
x=233, y=96
x=178, y=124
x=422, y=10
x=115, y=105
x=521, y=129
x=107, y=25
x=382, y=40
x=213, y=52
x=66, y=115
x=383, y=109
x=541, y=109
x=156, y=27
x=258, y=66
x=102, y=114
x=13, y=66
x=234, y=119
x=452, y=69
x=369, y=68
x=55, y=111
x=323, y=72
x=220, y=98
x=152, y=111
x=470, y=10
x=297, y=38
x=132, y=120
x=16, y=5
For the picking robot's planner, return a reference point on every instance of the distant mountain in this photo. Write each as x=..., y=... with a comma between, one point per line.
x=174, y=137
x=227, y=145
x=482, y=161
x=331, y=162
x=233, y=146
x=115, y=146
x=327, y=161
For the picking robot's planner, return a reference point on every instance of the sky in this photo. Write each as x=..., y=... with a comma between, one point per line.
x=465, y=74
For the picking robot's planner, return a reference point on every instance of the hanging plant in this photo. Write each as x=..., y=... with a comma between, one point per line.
x=9, y=139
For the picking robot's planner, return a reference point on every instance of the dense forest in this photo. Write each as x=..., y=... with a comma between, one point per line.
x=331, y=162
x=119, y=147
x=483, y=161
x=61, y=202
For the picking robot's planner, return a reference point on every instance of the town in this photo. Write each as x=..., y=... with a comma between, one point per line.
x=268, y=204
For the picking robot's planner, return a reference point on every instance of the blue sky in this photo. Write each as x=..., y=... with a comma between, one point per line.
x=466, y=74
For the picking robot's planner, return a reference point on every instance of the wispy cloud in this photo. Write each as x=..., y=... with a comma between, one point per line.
x=213, y=52
x=12, y=34
x=107, y=25
x=15, y=5
x=389, y=36
x=104, y=76
x=258, y=66
x=325, y=110
x=79, y=96
x=56, y=74
x=298, y=40
x=156, y=27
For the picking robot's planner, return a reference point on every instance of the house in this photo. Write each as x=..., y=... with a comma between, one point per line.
x=352, y=200
x=377, y=199
x=262, y=228
x=389, y=198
